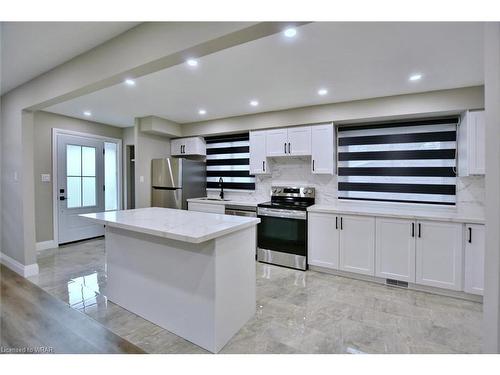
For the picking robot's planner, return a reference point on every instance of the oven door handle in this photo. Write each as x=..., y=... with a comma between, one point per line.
x=287, y=214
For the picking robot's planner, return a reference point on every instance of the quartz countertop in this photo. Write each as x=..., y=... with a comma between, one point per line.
x=180, y=225
x=404, y=212
x=226, y=202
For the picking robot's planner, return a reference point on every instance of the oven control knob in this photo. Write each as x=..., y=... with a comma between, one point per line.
x=274, y=190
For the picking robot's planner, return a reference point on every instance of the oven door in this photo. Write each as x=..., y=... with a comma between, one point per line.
x=282, y=230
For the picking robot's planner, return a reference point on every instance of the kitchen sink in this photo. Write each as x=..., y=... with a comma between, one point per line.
x=214, y=199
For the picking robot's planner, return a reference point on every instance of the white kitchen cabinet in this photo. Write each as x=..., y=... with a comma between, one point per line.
x=472, y=144
x=323, y=240
x=395, y=249
x=188, y=146
x=439, y=249
x=299, y=141
x=322, y=149
x=294, y=141
x=474, y=258
x=277, y=142
x=206, y=207
x=258, y=154
x=357, y=244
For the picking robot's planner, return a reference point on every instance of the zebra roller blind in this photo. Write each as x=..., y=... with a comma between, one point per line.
x=228, y=156
x=408, y=161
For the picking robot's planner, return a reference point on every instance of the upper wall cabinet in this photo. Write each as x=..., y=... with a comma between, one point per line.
x=471, y=144
x=188, y=146
x=294, y=141
x=322, y=149
x=258, y=162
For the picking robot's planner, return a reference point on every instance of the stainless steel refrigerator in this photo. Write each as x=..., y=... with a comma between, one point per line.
x=174, y=180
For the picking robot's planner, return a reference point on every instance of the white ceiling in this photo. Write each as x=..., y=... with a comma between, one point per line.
x=32, y=48
x=352, y=60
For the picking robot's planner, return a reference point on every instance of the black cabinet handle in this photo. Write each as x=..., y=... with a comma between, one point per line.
x=263, y=165
x=341, y=223
x=313, y=165
x=336, y=222
x=413, y=229
x=289, y=147
x=470, y=235
x=419, y=230
x=284, y=145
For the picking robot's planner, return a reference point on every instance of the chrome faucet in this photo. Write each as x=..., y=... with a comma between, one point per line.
x=221, y=181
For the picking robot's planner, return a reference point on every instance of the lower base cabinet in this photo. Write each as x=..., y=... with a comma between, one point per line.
x=474, y=258
x=357, y=244
x=207, y=207
x=439, y=249
x=395, y=249
x=323, y=240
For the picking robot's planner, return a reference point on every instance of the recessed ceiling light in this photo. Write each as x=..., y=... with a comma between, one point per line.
x=202, y=112
x=192, y=62
x=130, y=82
x=415, y=77
x=87, y=113
x=322, y=92
x=290, y=32
x=254, y=103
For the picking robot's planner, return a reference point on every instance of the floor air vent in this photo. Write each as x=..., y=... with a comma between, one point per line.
x=392, y=282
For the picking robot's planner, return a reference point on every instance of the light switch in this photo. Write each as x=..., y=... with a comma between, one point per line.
x=16, y=177
x=141, y=178
x=45, y=177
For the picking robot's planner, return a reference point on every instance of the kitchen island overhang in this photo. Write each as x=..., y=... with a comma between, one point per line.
x=192, y=273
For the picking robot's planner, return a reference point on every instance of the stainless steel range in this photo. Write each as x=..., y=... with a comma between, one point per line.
x=282, y=232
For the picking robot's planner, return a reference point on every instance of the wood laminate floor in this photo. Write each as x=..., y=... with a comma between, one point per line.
x=33, y=321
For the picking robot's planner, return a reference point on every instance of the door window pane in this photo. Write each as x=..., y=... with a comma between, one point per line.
x=89, y=191
x=88, y=161
x=74, y=192
x=110, y=176
x=73, y=160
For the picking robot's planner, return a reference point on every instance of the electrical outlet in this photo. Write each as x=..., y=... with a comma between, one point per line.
x=45, y=177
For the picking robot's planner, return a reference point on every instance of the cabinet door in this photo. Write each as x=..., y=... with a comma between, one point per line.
x=299, y=140
x=357, y=244
x=258, y=163
x=474, y=258
x=395, y=249
x=322, y=149
x=439, y=254
x=194, y=146
x=206, y=207
x=323, y=240
x=176, y=147
x=277, y=142
x=477, y=139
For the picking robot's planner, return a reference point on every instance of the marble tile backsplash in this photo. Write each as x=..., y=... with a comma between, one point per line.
x=297, y=171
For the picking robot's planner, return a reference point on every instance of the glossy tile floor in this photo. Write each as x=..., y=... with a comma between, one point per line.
x=297, y=312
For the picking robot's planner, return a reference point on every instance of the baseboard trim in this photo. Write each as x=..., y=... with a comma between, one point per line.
x=44, y=245
x=21, y=269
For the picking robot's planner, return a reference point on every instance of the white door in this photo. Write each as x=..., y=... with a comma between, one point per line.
x=299, y=140
x=176, y=146
x=277, y=142
x=323, y=240
x=477, y=140
x=439, y=254
x=474, y=258
x=258, y=152
x=357, y=244
x=322, y=149
x=395, y=249
x=80, y=186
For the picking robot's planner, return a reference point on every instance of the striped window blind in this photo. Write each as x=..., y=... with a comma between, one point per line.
x=407, y=161
x=228, y=157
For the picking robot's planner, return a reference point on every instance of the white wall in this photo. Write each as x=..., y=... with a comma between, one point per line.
x=147, y=147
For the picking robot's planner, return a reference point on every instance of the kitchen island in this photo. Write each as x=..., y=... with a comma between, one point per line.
x=192, y=273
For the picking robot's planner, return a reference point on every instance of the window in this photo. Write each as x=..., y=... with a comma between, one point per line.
x=81, y=176
x=228, y=157
x=408, y=161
